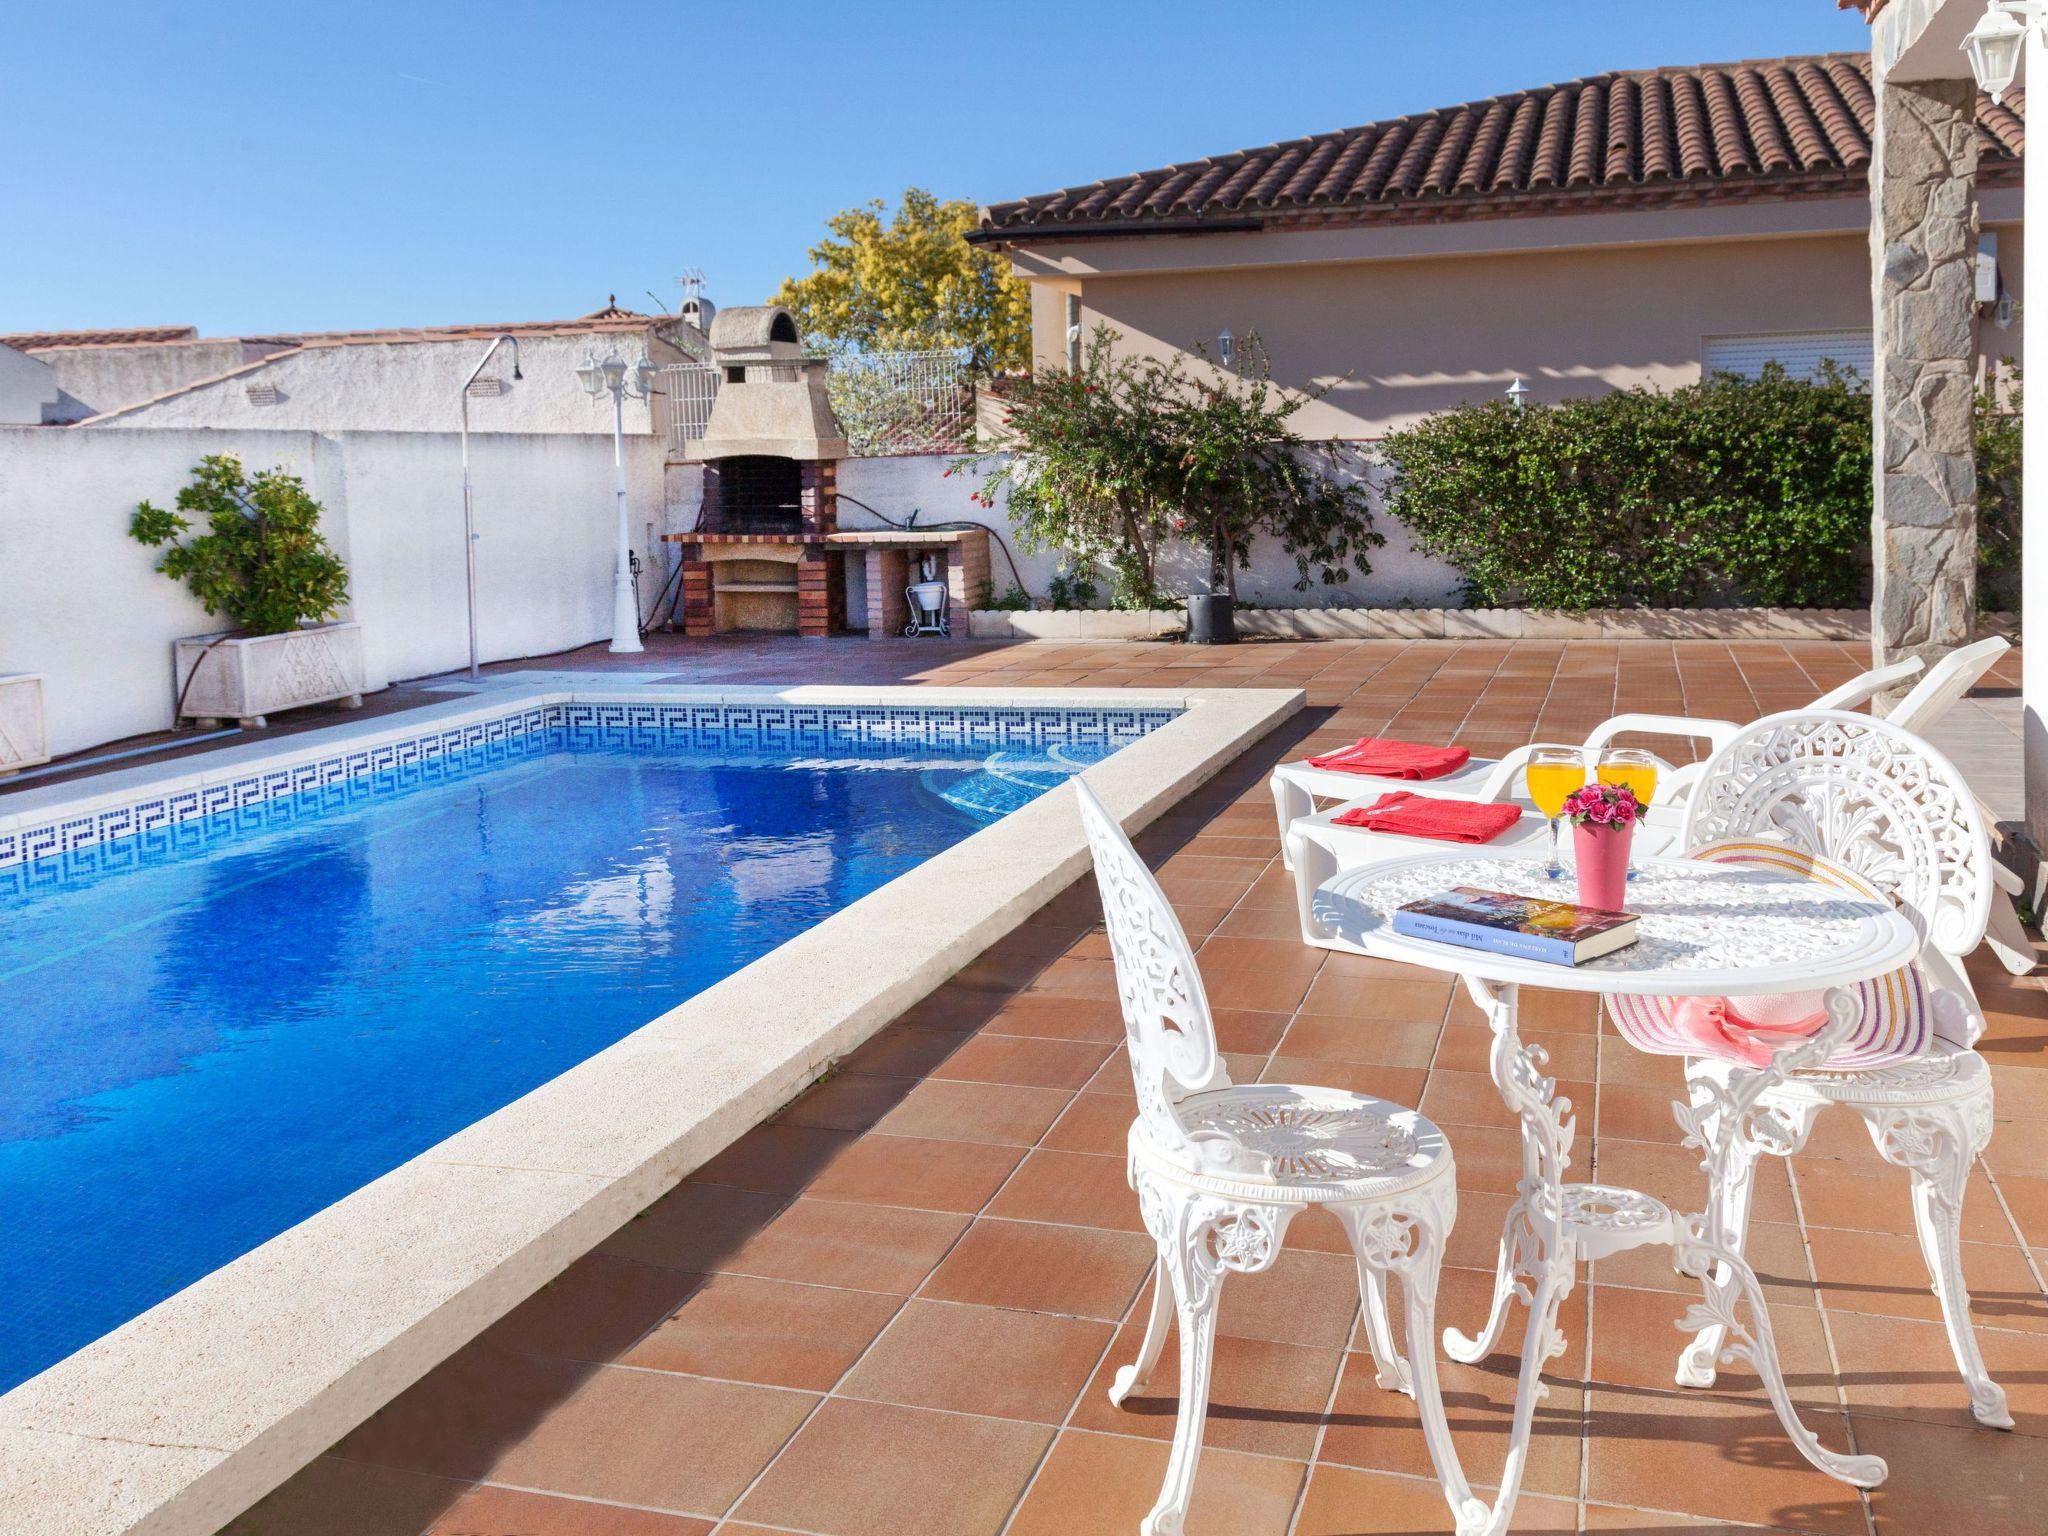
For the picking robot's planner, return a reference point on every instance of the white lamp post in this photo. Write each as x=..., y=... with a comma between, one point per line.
x=1517, y=393
x=622, y=383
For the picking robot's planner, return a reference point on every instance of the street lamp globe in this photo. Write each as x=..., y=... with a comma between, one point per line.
x=591, y=377
x=614, y=373
x=644, y=374
x=1994, y=46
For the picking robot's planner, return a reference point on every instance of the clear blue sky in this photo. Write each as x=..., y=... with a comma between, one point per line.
x=297, y=165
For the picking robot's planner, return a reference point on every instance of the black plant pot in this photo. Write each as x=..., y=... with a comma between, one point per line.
x=1212, y=619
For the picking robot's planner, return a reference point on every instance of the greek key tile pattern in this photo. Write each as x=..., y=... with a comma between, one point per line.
x=113, y=837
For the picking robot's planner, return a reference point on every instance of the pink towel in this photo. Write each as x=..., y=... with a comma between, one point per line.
x=1385, y=759
x=1452, y=821
x=1748, y=1029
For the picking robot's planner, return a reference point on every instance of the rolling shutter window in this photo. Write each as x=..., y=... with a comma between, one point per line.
x=1800, y=351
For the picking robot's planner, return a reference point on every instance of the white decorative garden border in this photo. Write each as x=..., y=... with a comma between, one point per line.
x=181, y=1418
x=1456, y=624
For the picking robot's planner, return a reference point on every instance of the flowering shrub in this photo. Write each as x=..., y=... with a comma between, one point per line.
x=1603, y=805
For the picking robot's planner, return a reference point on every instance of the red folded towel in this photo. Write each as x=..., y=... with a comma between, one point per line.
x=1385, y=759
x=1451, y=821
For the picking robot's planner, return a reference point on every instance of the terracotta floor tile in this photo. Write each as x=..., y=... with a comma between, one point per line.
x=1076, y=1271
x=1714, y=1457
x=2028, y=1198
x=1896, y=1368
x=1628, y=1325
x=1343, y=1501
x=1397, y=1085
x=929, y=1175
x=900, y=1051
x=1264, y=1397
x=1307, y=1297
x=1943, y=1479
x=955, y=1007
x=861, y=1247
x=1776, y=1251
x=770, y=1332
x=1833, y=1194
x=986, y=1360
x=990, y=1112
x=1884, y=1273
x=1079, y=1189
x=489, y=1511
x=459, y=1418
x=776, y=1159
x=846, y=1102
x=875, y=1469
x=1672, y=1173
x=1244, y=1031
x=1099, y=1020
x=1094, y=1122
x=333, y=1497
x=649, y=1438
x=1392, y=1044
x=1022, y=1062
x=1377, y=999
x=594, y=1310
x=693, y=1227
x=1103, y=1485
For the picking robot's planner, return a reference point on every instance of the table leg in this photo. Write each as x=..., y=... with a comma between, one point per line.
x=1722, y=1121
x=1538, y=1255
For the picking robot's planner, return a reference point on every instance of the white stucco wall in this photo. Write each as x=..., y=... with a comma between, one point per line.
x=896, y=486
x=105, y=378
x=81, y=603
x=28, y=389
x=409, y=386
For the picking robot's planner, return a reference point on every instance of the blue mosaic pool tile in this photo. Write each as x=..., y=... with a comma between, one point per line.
x=36, y=855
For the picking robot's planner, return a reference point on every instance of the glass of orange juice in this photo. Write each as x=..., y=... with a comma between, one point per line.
x=1634, y=770
x=1552, y=774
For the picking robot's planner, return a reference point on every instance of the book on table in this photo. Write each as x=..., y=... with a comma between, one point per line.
x=1525, y=927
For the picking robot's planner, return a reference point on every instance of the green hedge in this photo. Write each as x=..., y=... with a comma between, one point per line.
x=1730, y=491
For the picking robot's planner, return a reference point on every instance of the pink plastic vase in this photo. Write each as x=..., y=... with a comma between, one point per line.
x=1602, y=855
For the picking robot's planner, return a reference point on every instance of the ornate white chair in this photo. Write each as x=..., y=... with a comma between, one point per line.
x=1220, y=1171
x=1869, y=806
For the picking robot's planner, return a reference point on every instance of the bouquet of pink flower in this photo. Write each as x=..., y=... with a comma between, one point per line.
x=1604, y=805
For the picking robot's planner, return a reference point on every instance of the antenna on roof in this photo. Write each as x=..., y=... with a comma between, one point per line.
x=697, y=309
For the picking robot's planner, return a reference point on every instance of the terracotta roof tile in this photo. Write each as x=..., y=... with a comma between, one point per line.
x=1764, y=127
x=31, y=341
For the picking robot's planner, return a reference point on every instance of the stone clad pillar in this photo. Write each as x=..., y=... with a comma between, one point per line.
x=1923, y=231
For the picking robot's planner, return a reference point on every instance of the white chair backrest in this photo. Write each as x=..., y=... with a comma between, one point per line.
x=1866, y=794
x=1166, y=1013
x=1945, y=684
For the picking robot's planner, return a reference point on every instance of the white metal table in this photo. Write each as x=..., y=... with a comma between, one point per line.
x=1706, y=930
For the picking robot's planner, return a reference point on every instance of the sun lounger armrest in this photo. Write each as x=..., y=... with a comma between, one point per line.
x=1865, y=686
x=1712, y=731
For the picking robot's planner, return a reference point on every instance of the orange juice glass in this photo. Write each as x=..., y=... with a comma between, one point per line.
x=1634, y=770
x=1552, y=774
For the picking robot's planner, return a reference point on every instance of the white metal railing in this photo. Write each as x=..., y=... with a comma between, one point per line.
x=887, y=402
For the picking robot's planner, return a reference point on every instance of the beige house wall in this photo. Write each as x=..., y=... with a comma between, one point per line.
x=1399, y=337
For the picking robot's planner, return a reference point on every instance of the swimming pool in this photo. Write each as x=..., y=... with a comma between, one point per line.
x=220, y=1015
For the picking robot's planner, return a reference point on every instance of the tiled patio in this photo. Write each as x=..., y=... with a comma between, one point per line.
x=894, y=1311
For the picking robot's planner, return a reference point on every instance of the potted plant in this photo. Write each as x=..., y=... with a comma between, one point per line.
x=1239, y=470
x=1603, y=818
x=263, y=564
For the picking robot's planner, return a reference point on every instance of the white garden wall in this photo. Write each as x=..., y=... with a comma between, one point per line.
x=81, y=602
x=896, y=486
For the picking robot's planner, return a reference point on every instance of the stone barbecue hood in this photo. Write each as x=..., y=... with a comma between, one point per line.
x=771, y=398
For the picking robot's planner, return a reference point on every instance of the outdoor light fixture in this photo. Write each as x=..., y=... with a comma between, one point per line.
x=468, y=501
x=1996, y=42
x=1226, y=345
x=1518, y=393
x=622, y=382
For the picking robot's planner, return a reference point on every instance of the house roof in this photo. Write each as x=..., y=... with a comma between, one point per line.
x=1792, y=127
x=36, y=341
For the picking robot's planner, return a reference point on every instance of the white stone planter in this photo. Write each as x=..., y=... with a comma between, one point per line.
x=248, y=677
x=24, y=741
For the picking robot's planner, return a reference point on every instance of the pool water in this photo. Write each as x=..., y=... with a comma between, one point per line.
x=206, y=1047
